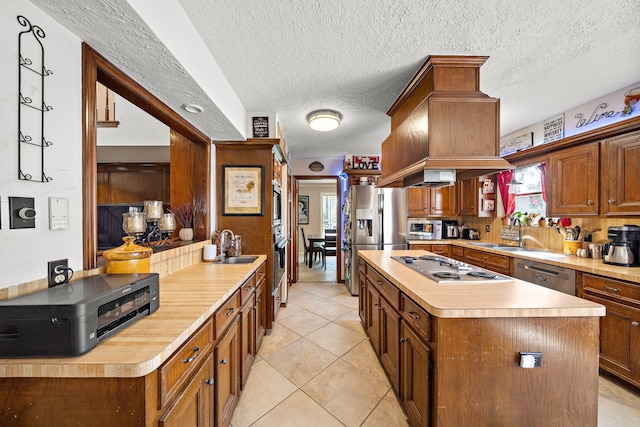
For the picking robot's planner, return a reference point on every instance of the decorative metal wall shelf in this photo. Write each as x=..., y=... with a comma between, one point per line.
x=31, y=103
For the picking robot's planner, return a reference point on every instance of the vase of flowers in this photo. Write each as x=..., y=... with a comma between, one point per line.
x=185, y=215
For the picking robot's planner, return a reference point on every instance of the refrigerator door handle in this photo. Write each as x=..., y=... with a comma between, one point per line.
x=380, y=219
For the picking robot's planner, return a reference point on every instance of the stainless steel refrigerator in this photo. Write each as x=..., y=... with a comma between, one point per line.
x=375, y=218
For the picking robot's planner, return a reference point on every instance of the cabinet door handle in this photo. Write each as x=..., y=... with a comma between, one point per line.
x=196, y=351
x=634, y=323
x=229, y=312
x=403, y=340
x=258, y=301
x=589, y=202
x=223, y=361
x=210, y=381
x=612, y=201
x=249, y=288
x=413, y=315
x=379, y=282
x=609, y=288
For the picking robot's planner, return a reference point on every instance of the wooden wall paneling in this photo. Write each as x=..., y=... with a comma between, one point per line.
x=95, y=68
x=133, y=182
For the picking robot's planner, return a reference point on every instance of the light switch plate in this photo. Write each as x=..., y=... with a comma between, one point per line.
x=16, y=204
x=58, y=213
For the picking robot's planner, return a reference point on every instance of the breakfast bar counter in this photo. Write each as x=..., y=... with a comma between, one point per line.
x=187, y=299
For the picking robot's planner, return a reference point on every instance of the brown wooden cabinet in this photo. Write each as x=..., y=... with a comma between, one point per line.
x=468, y=197
x=620, y=328
x=431, y=201
x=227, y=363
x=194, y=406
x=499, y=263
x=415, y=376
x=573, y=181
x=620, y=165
x=248, y=335
x=260, y=308
x=256, y=230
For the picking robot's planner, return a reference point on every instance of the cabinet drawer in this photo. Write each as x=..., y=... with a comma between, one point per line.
x=178, y=369
x=261, y=273
x=385, y=287
x=440, y=249
x=488, y=260
x=247, y=289
x=415, y=315
x=457, y=252
x=225, y=314
x=602, y=286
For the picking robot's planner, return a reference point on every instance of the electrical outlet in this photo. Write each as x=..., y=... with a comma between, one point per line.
x=57, y=272
x=537, y=356
x=487, y=228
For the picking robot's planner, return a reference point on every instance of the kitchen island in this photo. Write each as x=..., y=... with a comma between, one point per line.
x=160, y=370
x=453, y=351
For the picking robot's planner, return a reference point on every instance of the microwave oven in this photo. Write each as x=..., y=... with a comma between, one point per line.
x=424, y=229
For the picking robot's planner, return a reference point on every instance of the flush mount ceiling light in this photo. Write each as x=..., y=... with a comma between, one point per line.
x=192, y=108
x=316, y=166
x=324, y=120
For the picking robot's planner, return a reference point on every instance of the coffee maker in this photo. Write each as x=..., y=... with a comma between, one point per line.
x=622, y=249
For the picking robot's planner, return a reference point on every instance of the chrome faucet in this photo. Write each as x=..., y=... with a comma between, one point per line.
x=518, y=222
x=224, y=244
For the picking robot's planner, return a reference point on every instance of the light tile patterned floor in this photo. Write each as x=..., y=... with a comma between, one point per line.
x=317, y=368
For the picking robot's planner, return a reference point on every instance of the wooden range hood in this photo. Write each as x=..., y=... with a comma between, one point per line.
x=442, y=126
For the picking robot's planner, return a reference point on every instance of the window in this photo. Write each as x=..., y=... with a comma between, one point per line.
x=530, y=197
x=329, y=211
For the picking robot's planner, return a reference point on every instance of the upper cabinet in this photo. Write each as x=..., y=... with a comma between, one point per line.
x=596, y=178
x=468, y=197
x=432, y=201
x=620, y=163
x=572, y=184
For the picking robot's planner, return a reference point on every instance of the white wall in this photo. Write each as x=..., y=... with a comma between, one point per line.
x=24, y=252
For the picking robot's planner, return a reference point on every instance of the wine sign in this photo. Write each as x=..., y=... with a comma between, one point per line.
x=512, y=145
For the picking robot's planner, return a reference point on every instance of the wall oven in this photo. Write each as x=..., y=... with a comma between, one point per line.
x=279, y=255
x=277, y=204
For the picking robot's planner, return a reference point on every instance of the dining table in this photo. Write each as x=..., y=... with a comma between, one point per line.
x=313, y=239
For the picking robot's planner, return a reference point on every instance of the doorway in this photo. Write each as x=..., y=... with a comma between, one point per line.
x=318, y=201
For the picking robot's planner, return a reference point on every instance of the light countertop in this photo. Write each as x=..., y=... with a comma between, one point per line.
x=515, y=298
x=587, y=265
x=187, y=299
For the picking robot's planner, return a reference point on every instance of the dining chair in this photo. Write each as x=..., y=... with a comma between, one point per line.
x=330, y=242
x=313, y=250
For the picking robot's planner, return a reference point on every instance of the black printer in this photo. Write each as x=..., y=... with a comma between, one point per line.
x=69, y=320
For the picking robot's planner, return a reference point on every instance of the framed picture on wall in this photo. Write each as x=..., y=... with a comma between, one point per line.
x=488, y=205
x=303, y=209
x=242, y=190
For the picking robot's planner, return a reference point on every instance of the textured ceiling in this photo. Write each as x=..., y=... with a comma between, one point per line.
x=292, y=57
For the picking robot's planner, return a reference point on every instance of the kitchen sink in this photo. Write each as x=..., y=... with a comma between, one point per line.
x=492, y=245
x=240, y=260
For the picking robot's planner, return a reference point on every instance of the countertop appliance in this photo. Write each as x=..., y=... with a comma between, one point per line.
x=470, y=234
x=424, y=229
x=547, y=275
x=450, y=229
x=622, y=248
x=69, y=320
x=446, y=270
x=375, y=219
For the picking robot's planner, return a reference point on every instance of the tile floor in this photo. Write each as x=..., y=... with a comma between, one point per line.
x=317, y=368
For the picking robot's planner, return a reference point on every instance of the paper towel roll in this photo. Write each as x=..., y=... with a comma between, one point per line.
x=210, y=252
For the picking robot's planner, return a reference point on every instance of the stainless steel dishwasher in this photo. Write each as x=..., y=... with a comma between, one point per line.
x=547, y=275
